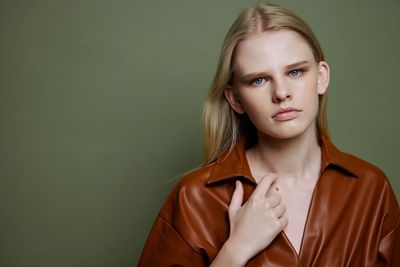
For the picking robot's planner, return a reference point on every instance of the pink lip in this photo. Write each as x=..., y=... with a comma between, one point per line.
x=285, y=114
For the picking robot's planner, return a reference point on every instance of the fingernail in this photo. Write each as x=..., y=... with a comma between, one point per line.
x=237, y=183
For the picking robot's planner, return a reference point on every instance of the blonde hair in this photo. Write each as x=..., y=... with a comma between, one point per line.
x=222, y=126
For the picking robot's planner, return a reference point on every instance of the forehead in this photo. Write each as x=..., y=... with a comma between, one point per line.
x=271, y=50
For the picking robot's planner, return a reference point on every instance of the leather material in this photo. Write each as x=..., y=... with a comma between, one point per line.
x=353, y=218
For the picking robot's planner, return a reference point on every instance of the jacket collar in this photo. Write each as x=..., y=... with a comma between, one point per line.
x=234, y=163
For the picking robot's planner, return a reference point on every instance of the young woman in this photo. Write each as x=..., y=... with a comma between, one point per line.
x=274, y=191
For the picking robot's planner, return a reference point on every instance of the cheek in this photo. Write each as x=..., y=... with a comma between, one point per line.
x=256, y=104
x=311, y=102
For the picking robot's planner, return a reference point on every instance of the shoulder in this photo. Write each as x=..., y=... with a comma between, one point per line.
x=183, y=225
x=197, y=211
x=365, y=172
x=363, y=169
x=370, y=178
x=371, y=182
x=364, y=178
x=194, y=181
x=190, y=195
x=366, y=186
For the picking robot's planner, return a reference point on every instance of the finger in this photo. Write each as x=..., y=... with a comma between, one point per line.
x=273, y=201
x=279, y=210
x=265, y=184
x=237, y=199
x=283, y=222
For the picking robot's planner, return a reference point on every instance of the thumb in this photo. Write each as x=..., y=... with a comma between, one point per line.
x=237, y=199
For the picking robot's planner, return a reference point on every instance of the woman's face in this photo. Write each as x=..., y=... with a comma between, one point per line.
x=276, y=81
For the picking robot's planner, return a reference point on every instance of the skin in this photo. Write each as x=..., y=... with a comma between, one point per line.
x=272, y=71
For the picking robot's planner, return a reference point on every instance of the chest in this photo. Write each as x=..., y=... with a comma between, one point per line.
x=334, y=223
x=297, y=200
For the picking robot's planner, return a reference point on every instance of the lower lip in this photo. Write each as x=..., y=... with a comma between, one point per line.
x=285, y=116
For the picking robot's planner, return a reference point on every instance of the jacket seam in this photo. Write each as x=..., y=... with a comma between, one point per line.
x=392, y=230
x=179, y=234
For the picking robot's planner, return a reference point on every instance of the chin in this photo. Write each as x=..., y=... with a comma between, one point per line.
x=283, y=136
x=286, y=133
x=277, y=135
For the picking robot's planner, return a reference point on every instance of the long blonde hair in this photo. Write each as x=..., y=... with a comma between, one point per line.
x=222, y=126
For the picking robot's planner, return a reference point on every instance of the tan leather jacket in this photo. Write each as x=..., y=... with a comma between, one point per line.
x=353, y=218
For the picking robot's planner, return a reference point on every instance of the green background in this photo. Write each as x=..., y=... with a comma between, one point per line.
x=100, y=106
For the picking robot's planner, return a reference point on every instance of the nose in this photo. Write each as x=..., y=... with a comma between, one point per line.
x=281, y=92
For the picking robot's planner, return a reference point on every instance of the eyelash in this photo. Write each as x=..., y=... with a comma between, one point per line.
x=299, y=71
x=253, y=82
x=290, y=73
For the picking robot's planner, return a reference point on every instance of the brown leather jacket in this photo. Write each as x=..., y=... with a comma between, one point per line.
x=353, y=218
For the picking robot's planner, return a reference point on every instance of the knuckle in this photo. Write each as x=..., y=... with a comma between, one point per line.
x=275, y=198
x=272, y=177
x=277, y=224
x=274, y=215
x=270, y=202
x=282, y=208
x=269, y=177
x=278, y=212
x=283, y=222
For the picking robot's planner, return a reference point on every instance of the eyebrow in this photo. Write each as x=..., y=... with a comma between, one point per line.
x=250, y=76
x=298, y=64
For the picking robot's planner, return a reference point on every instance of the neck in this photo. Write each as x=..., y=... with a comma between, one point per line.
x=298, y=157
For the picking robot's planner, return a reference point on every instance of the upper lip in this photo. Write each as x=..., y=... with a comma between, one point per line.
x=283, y=110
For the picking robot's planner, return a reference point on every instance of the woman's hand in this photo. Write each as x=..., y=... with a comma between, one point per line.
x=254, y=225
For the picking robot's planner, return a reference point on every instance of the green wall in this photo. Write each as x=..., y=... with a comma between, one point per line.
x=100, y=105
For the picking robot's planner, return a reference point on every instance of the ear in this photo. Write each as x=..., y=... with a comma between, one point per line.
x=233, y=99
x=323, y=77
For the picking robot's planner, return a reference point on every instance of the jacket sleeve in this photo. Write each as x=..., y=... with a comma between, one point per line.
x=389, y=245
x=166, y=247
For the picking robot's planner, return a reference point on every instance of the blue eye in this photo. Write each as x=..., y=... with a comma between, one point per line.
x=257, y=81
x=295, y=73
